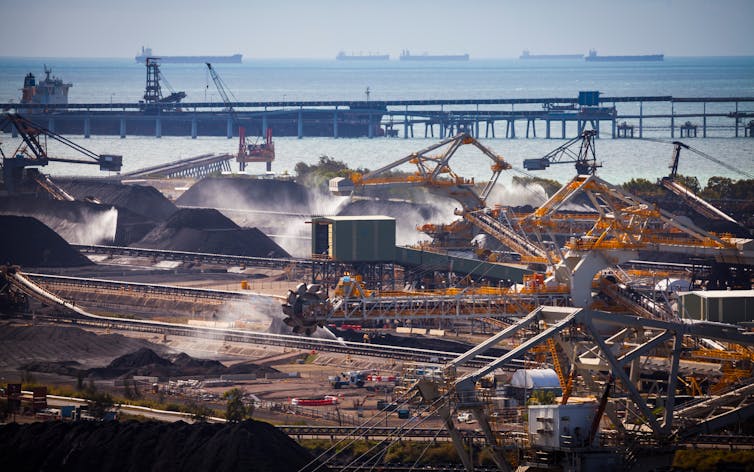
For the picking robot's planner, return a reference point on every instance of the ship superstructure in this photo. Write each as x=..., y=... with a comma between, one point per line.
x=50, y=91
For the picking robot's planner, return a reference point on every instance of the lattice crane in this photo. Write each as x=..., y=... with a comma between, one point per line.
x=247, y=151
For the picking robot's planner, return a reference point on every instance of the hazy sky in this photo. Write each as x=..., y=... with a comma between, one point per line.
x=320, y=28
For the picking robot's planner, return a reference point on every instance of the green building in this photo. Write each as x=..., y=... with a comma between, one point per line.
x=354, y=238
x=722, y=306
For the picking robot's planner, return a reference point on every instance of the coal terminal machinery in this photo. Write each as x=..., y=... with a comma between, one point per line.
x=640, y=374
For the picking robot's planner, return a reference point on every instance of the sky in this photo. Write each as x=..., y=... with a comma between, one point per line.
x=321, y=28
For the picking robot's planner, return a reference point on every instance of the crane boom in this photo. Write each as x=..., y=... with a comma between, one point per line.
x=247, y=151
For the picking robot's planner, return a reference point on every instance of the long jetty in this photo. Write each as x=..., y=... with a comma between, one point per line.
x=558, y=118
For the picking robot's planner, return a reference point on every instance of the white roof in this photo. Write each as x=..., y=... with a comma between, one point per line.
x=721, y=293
x=535, y=378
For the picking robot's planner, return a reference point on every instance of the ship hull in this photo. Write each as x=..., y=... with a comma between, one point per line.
x=385, y=57
x=234, y=59
x=552, y=56
x=459, y=57
x=649, y=57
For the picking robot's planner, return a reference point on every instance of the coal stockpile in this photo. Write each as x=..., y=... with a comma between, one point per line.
x=25, y=241
x=209, y=231
x=150, y=446
x=247, y=193
x=142, y=200
x=147, y=362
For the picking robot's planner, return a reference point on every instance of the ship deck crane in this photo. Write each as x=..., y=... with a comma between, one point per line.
x=247, y=151
x=32, y=152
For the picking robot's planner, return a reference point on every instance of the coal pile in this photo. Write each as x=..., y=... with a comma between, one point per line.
x=141, y=200
x=77, y=222
x=209, y=231
x=25, y=241
x=143, y=446
x=147, y=362
x=247, y=193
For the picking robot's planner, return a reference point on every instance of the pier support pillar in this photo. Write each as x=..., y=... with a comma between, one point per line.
x=442, y=130
x=87, y=127
x=613, y=134
x=300, y=123
x=563, y=135
x=158, y=127
x=194, y=128
x=51, y=124
x=641, y=120
x=510, y=131
x=13, y=132
x=737, y=119
x=405, y=123
x=547, y=129
x=264, y=125
x=370, y=131
x=335, y=123
x=704, y=121
x=229, y=128
x=122, y=128
x=672, y=121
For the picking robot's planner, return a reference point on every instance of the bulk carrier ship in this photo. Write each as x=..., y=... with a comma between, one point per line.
x=407, y=56
x=526, y=55
x=342, y=56
x=593, y=57
x=147, y=52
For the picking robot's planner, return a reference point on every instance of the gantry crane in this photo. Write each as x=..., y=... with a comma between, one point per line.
x=32, y=152
x=247, y=151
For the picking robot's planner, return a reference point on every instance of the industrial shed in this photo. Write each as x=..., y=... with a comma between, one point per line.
x=723, y=306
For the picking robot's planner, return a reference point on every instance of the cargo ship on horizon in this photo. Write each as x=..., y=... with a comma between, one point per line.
x=407, y=56
x=342, y=56
x=593, y=57
x=526, y=55
x=147, y=52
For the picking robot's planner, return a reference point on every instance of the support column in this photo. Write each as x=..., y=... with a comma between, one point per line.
x=704, y=121
x=370, y=131
x=87, y=127
x=613, y=128
x=194, y=128
x=13, y=132
x=51, y=124
x=158, y=127
x=335, y=123
x=513, y=129
x=563, y=135
x=122, y=128
x=547, y=129
x=229, y=128
x=264, y=125
x=672, y=120
x=641, y=120
x=300, y=123
x=405, y=123
x=736, y=119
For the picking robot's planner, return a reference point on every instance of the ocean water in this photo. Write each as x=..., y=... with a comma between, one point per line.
x=122, y=80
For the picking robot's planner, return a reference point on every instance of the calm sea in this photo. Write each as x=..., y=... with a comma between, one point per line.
x=122, y=80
